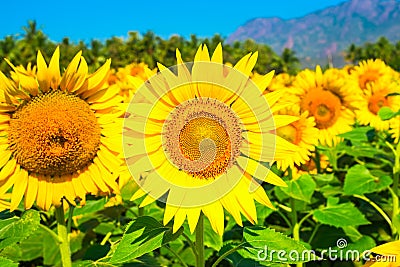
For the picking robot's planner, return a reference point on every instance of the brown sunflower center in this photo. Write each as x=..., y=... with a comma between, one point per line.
x=376, y=101
x=54, y=134
x=289, y=133
x=202, y=138
x=324, y=105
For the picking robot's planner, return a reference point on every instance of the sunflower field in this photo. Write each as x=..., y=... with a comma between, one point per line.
x=152, y=152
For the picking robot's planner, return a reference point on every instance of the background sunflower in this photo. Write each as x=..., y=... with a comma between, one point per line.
x=59, y=133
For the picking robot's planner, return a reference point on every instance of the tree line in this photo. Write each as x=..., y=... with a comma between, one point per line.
x=150, y=49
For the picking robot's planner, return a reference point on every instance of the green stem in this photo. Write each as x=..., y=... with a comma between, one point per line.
x=284, y=218
x=191, y=244
x=177, y=256
x=378, y=209
x=223, y=256
x=141, y=211
x=200, y=242
x=395, y=212
x=63, y=237
x=314, y=232
x=70, y=215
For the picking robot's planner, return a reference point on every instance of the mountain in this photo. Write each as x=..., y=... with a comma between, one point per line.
x=328, y=32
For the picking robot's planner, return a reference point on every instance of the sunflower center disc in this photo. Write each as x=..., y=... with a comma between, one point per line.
x=324, y=105
x=202, y=137
x=54, y=134
x=376, y=101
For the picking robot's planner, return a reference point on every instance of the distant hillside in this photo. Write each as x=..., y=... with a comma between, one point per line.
x=328, y=32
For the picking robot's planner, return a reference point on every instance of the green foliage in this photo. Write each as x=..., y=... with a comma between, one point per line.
x=148, y=48
x=142, y=236
x=382, y=49
x=301, y=188
x=359, y=180
x=339, y=215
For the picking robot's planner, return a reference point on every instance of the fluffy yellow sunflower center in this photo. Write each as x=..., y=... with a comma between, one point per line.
x=376, y=101
x=202, y=138
x=206, y=141
x=289, y=133
x=324, y=105
x=368, y=76
x=54, y=134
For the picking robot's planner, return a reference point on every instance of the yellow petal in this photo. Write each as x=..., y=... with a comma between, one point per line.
x=261, y=197
x=193, y=215
x=8, y=169
x=54, y=69
x=217, y=56
x=179, y=219
x=42, y=193
x=215, y=214
x=31, y=191
x=69, y=74
x=97, y=79
x=265, y=80
x=169, y=213
x=58, y=188
x=4, y=157
x=49, y=194
x=19, y=188
x=97, y=178
x=391, y=248
x=42, y=73
x=88, y=183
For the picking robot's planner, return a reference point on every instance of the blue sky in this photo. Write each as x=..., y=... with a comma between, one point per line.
x=86, y=20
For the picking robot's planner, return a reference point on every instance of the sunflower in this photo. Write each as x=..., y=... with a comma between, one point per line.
x=280, y=81
x=388, y=255
x=199, y=137
x=326, y=98
x=59, y=134
x=130, y=78
x=377, y=95
x=370, y=71
x=301, y=133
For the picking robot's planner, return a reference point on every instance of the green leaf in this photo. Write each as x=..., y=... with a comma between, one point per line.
x=352, y=233
x=359, y=180
x=385, y=113
x=90, y=207
x=265, y=244
x=28, y=249
x=142, y=235
x=365, y=150
x=340, y=215
x=18, y=230
x=301, y=188
x=51, y=251
x=357, y=135
x=7, y=263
